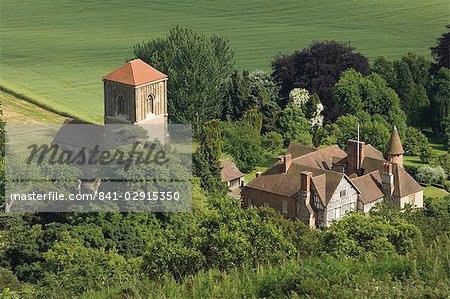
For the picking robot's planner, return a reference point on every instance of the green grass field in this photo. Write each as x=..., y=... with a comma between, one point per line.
x=432, y=191
x=17, y=111
x=57, y=51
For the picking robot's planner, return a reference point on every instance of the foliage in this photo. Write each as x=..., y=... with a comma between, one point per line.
x=354, y=93
x=429, y=174
x=241, y=141
x=415, y=143
x=361, y=236
x=310, y=105
x=409, y=77
x=207, y=158
x=440, y=98
x=272, y=142
x=372, y=131
x=68, y=258
x=251, y=91
x=294, y=126
x=317, y=69
x=441, y=50
x=198, y=67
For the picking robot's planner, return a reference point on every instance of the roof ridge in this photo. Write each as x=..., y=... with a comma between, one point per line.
x=317, y=151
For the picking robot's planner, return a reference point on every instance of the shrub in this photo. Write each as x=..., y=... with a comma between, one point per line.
x=272, y=141
x=429, y=175
x=415, y=142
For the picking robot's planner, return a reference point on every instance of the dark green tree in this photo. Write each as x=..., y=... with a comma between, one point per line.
x=198, y=67
x=440, y=98
x=385, y=69
x=317, y=69
x=206, y=159
x=441, y=51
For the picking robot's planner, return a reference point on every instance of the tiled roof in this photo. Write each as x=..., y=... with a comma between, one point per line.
x=274, y=180
x=229, y=171
x=325, y=180
x=395, y=145
x=135, y=72
x=370, y=186
x=404, y=184
x=297, y=149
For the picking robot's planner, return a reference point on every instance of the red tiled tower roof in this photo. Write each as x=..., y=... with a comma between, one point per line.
x=135, y=72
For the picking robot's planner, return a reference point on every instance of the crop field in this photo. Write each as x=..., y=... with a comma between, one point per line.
x=56, y=52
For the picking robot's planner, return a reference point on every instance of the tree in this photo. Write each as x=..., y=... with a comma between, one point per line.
x=198, y=67
x=415, y=143
x=428, y=174
x=272, y=142
x=207, y=158
x=243, y=143
x=68, y=258
x=237, y=97
x=408, y=77
x=253, y=119
x=385, y=69
x=294, y=126
x=360, y=236
x=419, y=107
x=355, y=94
x=440, y=98
x=317, y=69
x=404, y=84
x=441, y=51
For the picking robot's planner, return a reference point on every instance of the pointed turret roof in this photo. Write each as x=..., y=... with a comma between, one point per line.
x=395, y=145
x=135, y=72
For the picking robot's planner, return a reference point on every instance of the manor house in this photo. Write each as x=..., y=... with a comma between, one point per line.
x=318, y=186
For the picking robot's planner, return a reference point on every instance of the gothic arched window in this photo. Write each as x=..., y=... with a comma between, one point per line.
x=120, y=105
x=150, y=100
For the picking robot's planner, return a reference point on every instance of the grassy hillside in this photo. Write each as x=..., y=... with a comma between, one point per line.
x=57, y=51
x=17, y=111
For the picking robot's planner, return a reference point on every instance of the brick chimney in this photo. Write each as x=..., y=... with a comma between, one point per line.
x=356, y=152
x=305, y=193
x=387, y=179
x=287, y=161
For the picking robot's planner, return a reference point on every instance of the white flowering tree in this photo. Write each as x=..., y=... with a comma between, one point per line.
x=310, y=105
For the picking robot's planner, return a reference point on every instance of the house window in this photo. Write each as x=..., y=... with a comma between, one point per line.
x=316, y=200
x=150, y=100
x=285, y=207
x=337, y=213
x=343, y=193
x=266, y=204
x=120, y=105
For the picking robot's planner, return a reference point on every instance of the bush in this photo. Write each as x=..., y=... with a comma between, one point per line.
x=429, y=175
x=272, y=142
x=415, y=142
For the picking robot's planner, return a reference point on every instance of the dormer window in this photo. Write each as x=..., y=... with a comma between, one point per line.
x=120, y=105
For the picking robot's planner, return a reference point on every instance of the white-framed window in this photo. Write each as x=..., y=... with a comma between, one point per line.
x=285, y=206
x=337, y=213
x=343, y=193
x=120, y=105
x=266, y=204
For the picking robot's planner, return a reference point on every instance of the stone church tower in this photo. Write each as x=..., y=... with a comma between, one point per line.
x=136, y=93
